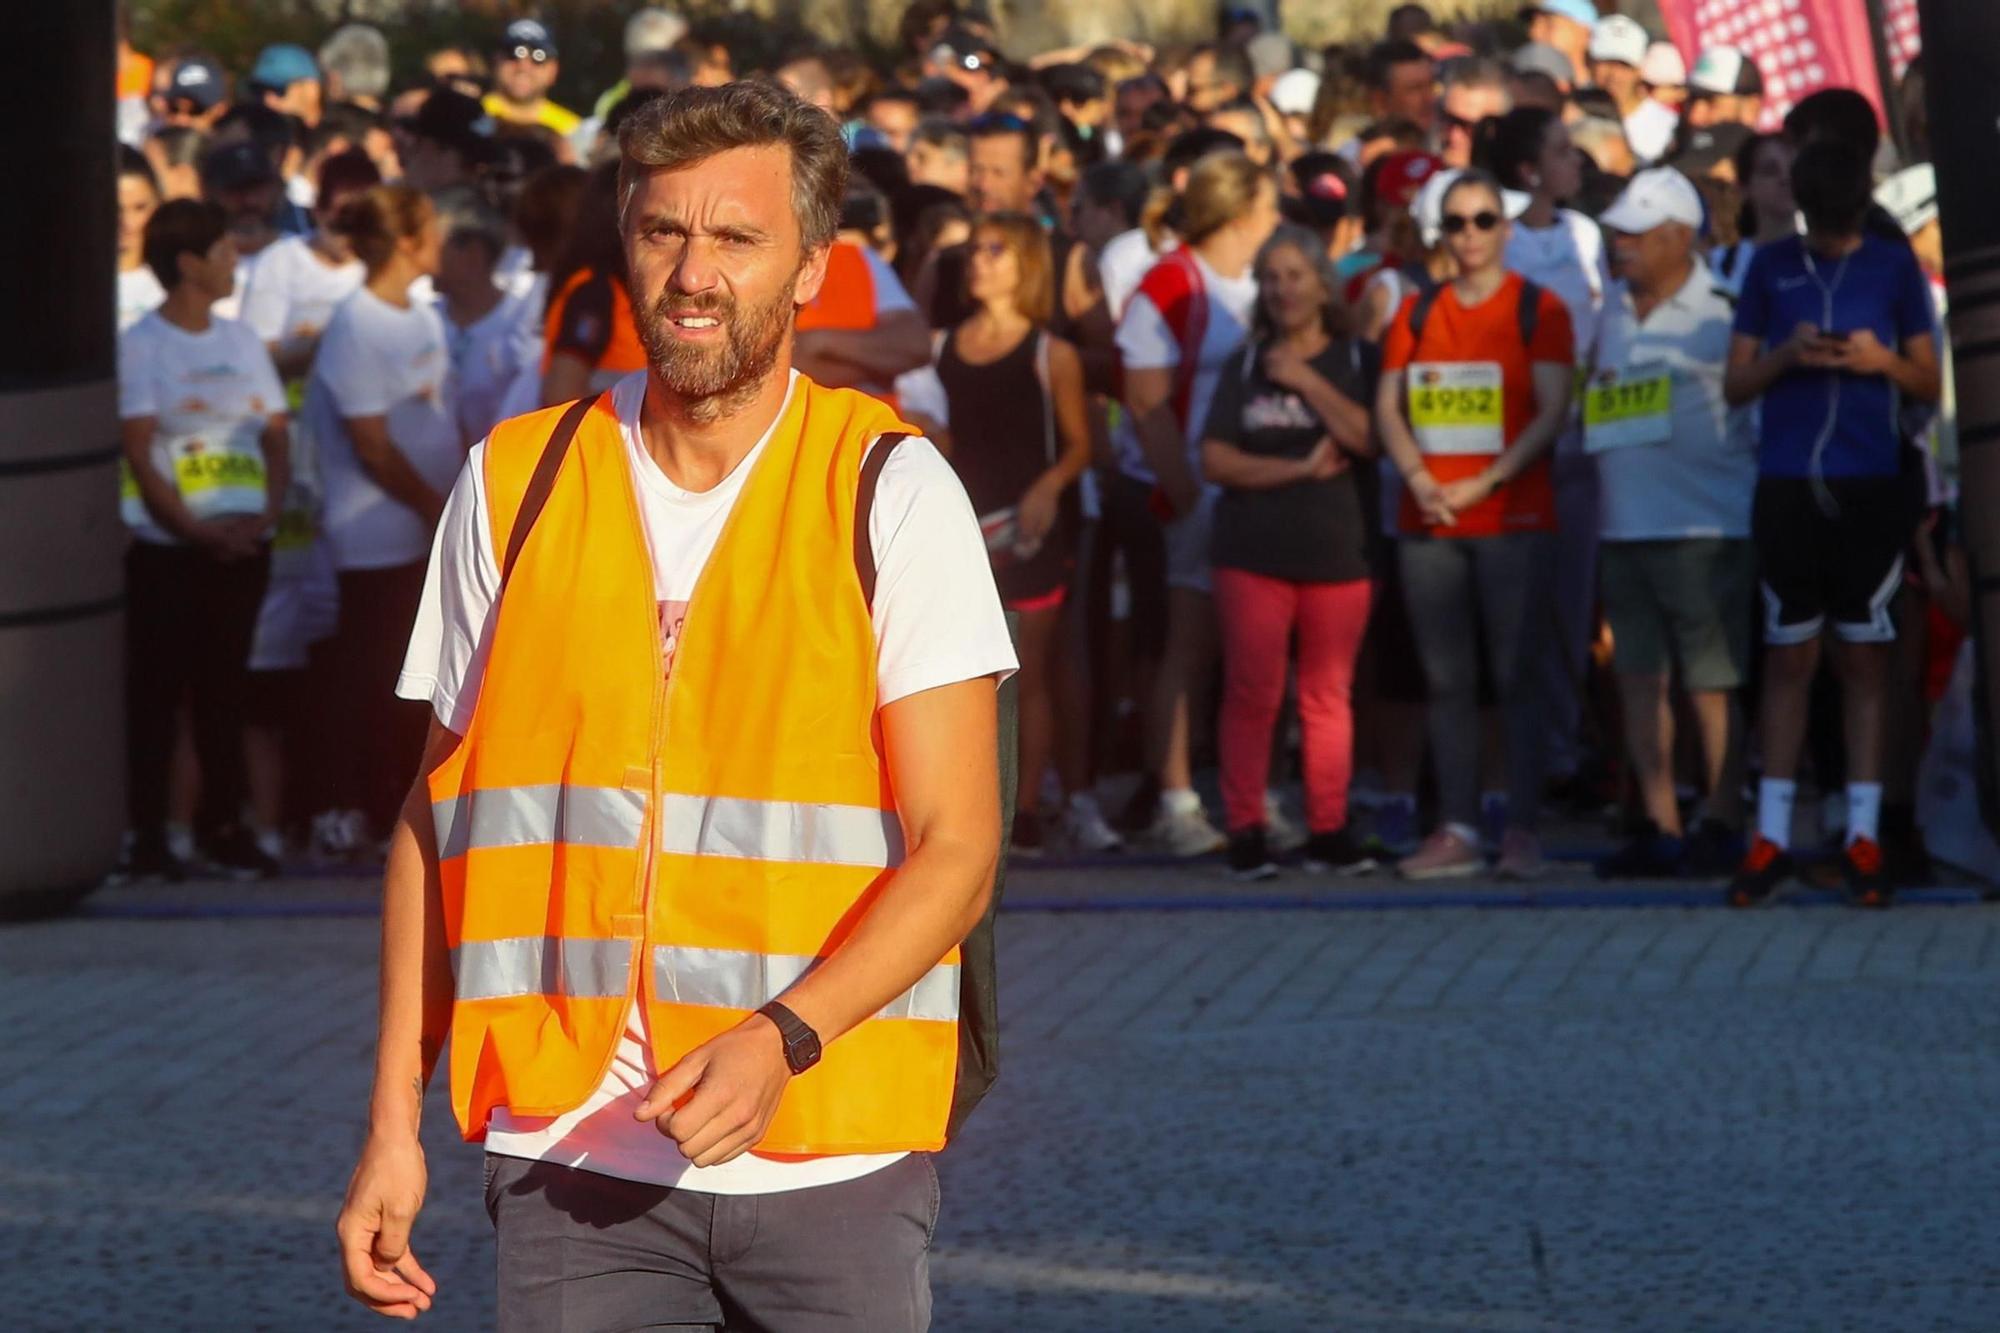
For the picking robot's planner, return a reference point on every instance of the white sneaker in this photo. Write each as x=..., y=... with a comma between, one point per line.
x=337, y=834
x=271, y=843
x=1084, y=826
x=1186, y=832
x=180, y=843
x=1284, y=836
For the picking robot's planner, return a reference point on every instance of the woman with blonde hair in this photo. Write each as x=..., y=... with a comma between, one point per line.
x=1020, y=439
x=1190, y=313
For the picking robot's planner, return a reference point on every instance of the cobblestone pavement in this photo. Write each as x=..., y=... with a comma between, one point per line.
x=1648, y=1118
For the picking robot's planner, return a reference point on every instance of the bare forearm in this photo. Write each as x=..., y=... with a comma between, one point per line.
x=1346, y=420
x=1166, y=453
x=1747, y=381
x=1226, y=465
x=416, y=986
x=277, y=447
x=1917, y=379
x=927, y=908
x=386, y=465
x=1396, y=437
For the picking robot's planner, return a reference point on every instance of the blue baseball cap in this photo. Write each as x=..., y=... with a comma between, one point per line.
x=279, y=67
x=530, y=35
x=1577, y=11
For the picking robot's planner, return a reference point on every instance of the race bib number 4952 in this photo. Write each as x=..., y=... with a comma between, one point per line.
x=1457, y=407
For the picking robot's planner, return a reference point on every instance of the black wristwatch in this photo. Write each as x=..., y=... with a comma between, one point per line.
x=801, y=1042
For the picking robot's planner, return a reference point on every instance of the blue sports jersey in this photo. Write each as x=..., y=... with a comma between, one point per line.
x=1850, y=421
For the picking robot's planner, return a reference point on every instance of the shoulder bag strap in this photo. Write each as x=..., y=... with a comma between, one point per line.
x=864, y=505
x=542, y=482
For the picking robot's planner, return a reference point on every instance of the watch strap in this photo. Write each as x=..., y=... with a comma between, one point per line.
x=791, y=1028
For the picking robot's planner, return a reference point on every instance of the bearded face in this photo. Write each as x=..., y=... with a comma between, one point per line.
x=710, y=350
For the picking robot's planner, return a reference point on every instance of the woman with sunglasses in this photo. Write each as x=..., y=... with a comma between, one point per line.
x=1287, y=438
x=1019, y=439
x=1476, y=382
x=1560, y=250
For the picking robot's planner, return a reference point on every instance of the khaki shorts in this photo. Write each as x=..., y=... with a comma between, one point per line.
x=1685, y=604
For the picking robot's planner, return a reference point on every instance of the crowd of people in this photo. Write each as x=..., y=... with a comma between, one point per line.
x=1422, y=418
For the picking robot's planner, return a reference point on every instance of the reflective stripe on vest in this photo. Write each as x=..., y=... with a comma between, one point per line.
x=736, y=979
x=542, y=965
x=731, y=826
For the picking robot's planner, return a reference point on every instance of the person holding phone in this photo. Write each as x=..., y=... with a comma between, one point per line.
x=1833, y=332
x=1476, y=383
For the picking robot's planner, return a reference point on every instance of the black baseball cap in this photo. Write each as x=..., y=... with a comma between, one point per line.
x=458, y=122
x=197, y=79
x=236, y=165
x=527, y=34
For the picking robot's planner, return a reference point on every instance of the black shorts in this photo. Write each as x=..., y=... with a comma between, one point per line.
x=1836, y=555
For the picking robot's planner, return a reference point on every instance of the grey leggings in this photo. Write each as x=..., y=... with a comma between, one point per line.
x=1456, y=588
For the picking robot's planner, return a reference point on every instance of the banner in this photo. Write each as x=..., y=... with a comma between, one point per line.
x=1800, y=46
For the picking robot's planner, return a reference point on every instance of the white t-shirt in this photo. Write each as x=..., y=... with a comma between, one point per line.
x=291, y=292
x=1124, y=261
x=218, y=384
x=1568, y=259
x=938, y=621
x=380, y=360
x=139, y=293
x=1145, y=342
x=1700, y=482
x=486, y=358
x=1650, y=130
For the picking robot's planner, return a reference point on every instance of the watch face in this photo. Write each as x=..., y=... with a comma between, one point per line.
x=802, y=1054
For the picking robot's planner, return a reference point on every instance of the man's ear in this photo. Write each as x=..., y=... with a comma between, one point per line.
x=812, y=275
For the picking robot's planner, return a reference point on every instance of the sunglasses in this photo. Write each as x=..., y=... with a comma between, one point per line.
x=534, y=53
x=1484, y=220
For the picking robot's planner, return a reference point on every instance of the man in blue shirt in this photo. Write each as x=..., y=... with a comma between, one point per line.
x=1833, y=331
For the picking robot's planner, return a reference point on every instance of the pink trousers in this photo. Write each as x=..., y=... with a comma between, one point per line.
x=1258, y=616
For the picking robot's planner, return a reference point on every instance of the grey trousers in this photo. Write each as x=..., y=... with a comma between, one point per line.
x=581, y=1252
x=1454, y=588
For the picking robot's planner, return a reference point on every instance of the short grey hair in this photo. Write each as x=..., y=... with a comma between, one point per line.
x=359, y=54
x=690, y=125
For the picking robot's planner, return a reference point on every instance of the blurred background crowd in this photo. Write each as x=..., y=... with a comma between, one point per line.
x=1382, y=447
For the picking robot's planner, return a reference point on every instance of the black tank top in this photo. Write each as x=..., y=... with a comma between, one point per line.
x=1003, y=438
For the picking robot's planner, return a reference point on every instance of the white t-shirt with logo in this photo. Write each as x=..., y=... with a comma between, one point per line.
x=218, y=383
x=1145, y=342
x=938, y=621
x=139, y=294
x=291, y=292
x=380, y=360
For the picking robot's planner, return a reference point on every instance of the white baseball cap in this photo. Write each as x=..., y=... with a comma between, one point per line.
x=1654, y=198
x=1663, y=66
x=1295, y=92
x=1726, y=71
x=1910, y=197
x=1618, y=38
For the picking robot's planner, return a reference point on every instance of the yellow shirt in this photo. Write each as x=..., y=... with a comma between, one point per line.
x=560, y=119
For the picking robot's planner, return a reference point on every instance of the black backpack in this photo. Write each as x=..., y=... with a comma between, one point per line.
x=1528, y=313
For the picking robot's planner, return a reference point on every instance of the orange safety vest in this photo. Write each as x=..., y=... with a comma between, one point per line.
x=846, y=300
x=699, y=841
x=623, y=352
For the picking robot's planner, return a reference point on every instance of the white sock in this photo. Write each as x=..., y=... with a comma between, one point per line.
x=1180, y=801
x=1774, y=810
x=1864, y=810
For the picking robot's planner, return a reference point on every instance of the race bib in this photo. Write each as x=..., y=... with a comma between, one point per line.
x=1628, y=409
x=1455, y=407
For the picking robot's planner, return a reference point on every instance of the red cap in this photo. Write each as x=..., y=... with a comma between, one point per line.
x=1399, y=175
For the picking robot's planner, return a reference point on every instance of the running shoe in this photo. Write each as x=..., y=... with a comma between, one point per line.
x=1285, y=833
x=1447, y=854
x=1651, y=854
x=1520, y=856
x=1765, y=866
x=236, y=854
x=148, y=859
x=1338, y=853
x=1085, y=827
x=1867, y=881
x=1185, y=833
x=1394, y=832
x=1250, y=856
